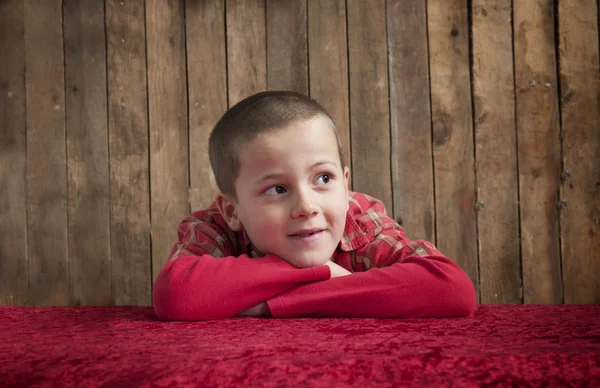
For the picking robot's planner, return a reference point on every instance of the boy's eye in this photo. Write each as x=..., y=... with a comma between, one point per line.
x=323, y=179
x=275, y=190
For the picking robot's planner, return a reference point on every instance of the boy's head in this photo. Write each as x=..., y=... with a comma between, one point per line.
x=279, y=165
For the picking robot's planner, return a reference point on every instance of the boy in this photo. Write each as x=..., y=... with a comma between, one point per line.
x=286, y=238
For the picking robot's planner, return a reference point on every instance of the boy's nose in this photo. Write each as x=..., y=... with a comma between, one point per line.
x=304, y=206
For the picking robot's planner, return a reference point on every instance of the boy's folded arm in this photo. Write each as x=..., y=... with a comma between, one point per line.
x=207, y=287
x=204, y=279
x=431, y=286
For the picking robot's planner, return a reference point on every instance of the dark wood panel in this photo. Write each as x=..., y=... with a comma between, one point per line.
x=46, y=154
x=128, y=148
x=287, y=45
x=87, y=153
x=580, y=190
x=13, y=151
x=496, y=152
x=369, y=100
x=246, y=48
x=538, y=127
x=410, y=111
x=328, y=64
x=167, y=104
x=205, y=38
x=452, y=133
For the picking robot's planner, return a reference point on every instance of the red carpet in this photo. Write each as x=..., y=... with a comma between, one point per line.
x=500, y=345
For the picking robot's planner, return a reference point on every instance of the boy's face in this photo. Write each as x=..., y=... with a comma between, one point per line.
x=292, y=193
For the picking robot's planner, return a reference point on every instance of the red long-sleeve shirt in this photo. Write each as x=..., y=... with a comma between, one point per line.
x=215, y=273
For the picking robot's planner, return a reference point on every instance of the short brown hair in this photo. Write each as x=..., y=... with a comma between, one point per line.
x=256, y=114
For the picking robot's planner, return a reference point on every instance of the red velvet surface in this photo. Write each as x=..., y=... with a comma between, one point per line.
x=499, y=345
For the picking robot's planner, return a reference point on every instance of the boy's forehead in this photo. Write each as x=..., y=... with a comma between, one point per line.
x=312, y=128
x=313, y=138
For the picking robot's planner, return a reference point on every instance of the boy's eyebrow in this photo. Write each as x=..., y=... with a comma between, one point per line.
x=279, y=175
x=322, y=162
x=269, y=176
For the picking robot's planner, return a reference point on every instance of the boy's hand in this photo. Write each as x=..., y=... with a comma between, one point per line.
x=336, y=270
x=260, y=310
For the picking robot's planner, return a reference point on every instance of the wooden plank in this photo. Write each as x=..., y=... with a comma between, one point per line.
x=328, y=64
x=13, y=152
x=452, y=133
x=246, y=48
x=87, y=153
x=496, y=152
x=537, y=117
x=369, y=106
x=410, y=111
x=207, y=95
x=580, y=189
x=128, y=148
x=46, y=154
x=287, y=45
x=169, y=163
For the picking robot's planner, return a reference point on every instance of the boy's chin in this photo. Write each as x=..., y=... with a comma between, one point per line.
x=299, y=262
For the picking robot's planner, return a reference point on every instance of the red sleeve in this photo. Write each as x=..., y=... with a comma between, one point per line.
x=400, y=278
x=205, y=280
x=430, y=286
x=207, y=287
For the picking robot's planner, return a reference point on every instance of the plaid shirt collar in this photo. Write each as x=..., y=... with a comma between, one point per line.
x=354, y=236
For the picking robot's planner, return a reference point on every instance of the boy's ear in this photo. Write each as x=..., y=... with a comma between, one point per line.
x=228, y=209
x=346, y=178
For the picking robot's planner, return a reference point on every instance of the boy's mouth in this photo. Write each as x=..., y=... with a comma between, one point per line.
x=306, y=232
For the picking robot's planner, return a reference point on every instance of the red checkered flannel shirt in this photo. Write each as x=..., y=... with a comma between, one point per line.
x=214, y=272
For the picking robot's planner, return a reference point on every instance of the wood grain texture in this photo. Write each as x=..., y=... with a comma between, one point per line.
x=538, y=132
x=328, y=64
x=128, y=145
x=14, y=286
x=46, y=154
x=580, y=189
x=169, y=163
x=496, y=152
x=287, y=53
x=246, y=48
x=369, y=105
x=207, y=94
x=156, y=168
x=87, y=153
x=452, y=133
x=410, y=111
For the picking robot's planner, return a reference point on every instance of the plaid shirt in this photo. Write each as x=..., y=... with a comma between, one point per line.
x=370, y=239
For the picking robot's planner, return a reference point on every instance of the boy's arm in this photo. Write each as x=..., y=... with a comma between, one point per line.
x=418, y=287
x=403, y=278
x=207, y=287
x=197, y=284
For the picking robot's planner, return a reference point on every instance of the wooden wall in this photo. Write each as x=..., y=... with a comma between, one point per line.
x=477, y=122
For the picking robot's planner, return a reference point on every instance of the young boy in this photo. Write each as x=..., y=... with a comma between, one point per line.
x=286, y=238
